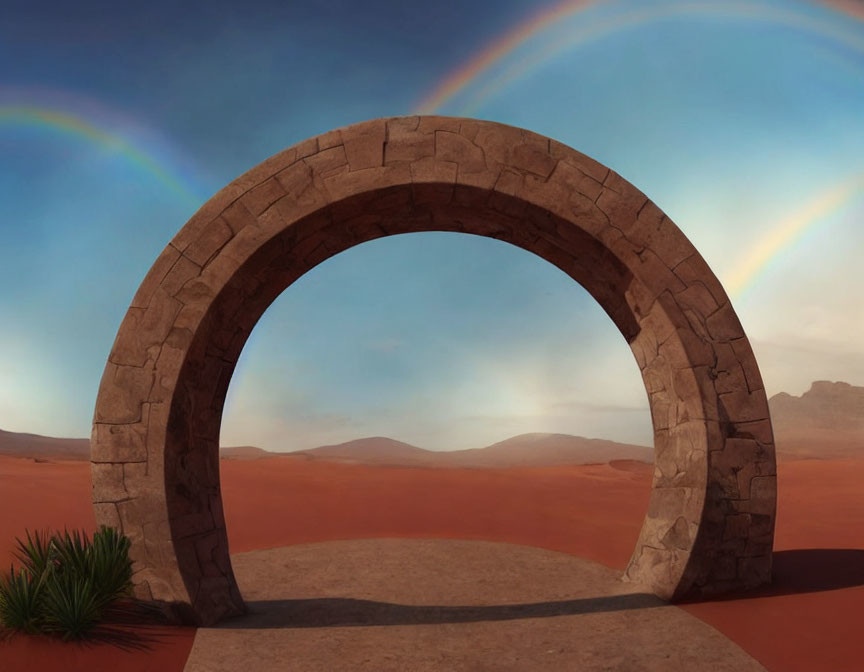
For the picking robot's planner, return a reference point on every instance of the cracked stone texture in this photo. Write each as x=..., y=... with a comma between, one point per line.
x=710, y=523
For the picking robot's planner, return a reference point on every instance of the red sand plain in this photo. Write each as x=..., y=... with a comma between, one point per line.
x=810, y=619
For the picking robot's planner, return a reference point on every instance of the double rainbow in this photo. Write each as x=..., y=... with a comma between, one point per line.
x=783, y=235
x=501, y=48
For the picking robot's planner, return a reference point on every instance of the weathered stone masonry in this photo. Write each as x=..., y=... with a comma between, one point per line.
x=710, y=523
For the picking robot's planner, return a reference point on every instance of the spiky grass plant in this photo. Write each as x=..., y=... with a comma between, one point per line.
x=67, y=583
x=110, y=566
x=35, y=553
x=70, y=606
x=21, y=598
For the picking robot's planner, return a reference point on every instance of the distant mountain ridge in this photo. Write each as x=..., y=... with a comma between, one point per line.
x=525, y=450
x=826, y=422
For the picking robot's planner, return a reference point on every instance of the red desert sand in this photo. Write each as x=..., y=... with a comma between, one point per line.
x=809, y=620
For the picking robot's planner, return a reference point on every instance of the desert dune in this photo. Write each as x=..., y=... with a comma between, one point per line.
x=803, y=622
x=585, y=497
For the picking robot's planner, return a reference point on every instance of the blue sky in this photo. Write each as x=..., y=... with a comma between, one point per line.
x=732, y=119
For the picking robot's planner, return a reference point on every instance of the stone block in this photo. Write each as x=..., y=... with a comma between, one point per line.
x=744, y=406
x=364, y=144
x=723, y=325
x=107, y=482
x=205, y=549
x=654, y=567
x=434, y=123
x=737, y=526
x=330, y=139
x=532, y=158
x=164, y=262
x=754, y=571
x=121, y=394
x=328, y=163
x=409, y=146
x=498, y=141
x=595, y=170
x=671, y=503
x=192, y=524
x=763, y=495
x=211, y=240
x=697, y=298
x=759, y=429
x=182, y=271
x=622, y=212
x=237, y=216
x=725, y=568
x=216, y=598
x=301, y=187
x=359, y=181
x=261, y=197
x=744, y=354
x=106, y=514
x=432, y=170
x=678, y=536
x=458, y=149
x=119, y=443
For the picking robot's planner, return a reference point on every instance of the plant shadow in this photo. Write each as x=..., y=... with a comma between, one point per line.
x=130, y=625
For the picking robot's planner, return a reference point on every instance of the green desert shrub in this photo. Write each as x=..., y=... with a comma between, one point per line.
x=21, y=601
x=66, y=583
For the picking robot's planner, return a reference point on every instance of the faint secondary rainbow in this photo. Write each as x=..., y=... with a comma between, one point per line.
x=500, y=49
x=30, y=115
x=460, y=78
x=784, y=235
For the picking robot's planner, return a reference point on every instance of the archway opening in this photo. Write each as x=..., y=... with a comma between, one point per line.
x=463, y=401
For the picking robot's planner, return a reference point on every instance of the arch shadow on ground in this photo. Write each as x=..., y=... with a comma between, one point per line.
x=807, y=570
x=795, y=571
x=342, y=612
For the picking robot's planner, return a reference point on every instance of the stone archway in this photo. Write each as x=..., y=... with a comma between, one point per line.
x=710, y=522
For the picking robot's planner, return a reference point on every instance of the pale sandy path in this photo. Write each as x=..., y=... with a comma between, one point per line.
x=412, y=605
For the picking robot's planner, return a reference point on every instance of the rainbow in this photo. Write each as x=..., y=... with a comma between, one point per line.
x=783, y=236
x=498, y=50
x=503, y=47
x=745, y=274
x=42, y=117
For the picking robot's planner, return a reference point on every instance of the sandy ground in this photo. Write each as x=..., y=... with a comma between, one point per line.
x=390, y=605
x=810, y=618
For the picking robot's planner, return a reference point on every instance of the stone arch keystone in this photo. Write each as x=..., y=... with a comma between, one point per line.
x=154, y=448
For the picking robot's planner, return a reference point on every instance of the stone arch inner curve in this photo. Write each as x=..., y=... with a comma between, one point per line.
x=154, y=447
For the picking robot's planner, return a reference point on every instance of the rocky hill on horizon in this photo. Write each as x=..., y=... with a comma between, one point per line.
x=826, y=421
x=826, y=405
